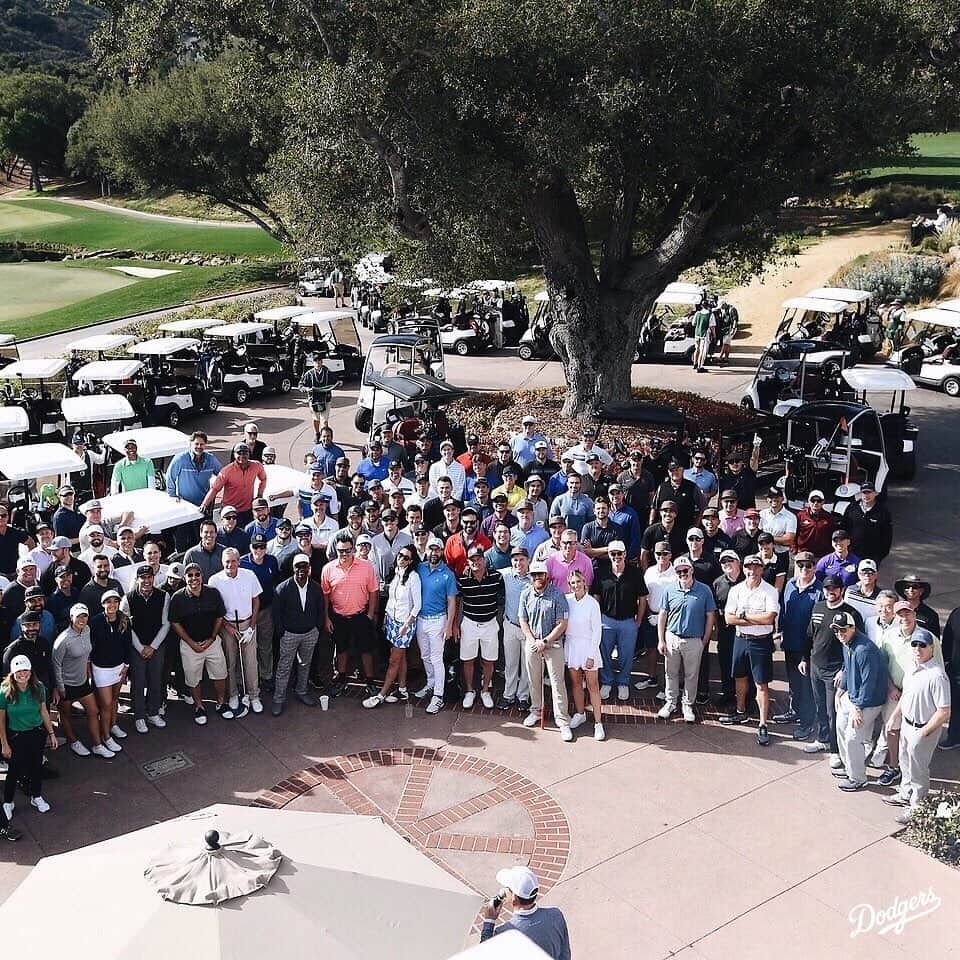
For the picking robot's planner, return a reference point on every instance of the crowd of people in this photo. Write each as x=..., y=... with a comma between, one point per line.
x=422, y=575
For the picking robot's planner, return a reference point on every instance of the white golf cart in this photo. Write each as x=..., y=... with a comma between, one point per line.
x=156, y=443
x=14, y=426
x=188, y=326
x=828, y=321
x=9, y=351
x=667, y=331
x=278, y=315
x=932, y=352
x=20, y=469
x=246, y=359
x=100, y=345
x=42, y=400
x=312, y=277
x=535, y=341
x=111, y=378
x=175, y=379
x=332, y=333
x=96, y=409
x=389, y=356
x=860, y=317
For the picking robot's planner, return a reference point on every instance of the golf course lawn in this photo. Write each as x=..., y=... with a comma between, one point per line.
x=56, y=222
x=936, y=164
x=47, y=297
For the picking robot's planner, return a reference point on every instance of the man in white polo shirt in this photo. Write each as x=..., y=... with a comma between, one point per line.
x=447, y=466
x=779, y=521
x=240, y=590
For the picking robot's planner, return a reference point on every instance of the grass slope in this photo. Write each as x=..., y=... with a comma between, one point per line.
x=51, y=221
x=191, y=283
x=935, y=165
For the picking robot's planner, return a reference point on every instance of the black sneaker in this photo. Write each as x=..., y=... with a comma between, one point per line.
x=199, y=716
x=763, y=738
x=338, y=686
x=788, y=717
x=734, y=718
x=890, y=777
x=523, y=706
x=802, y=734
x=224, y=711
x=398, y=695
x=949, y=744
x=702, y=700
x=505, y=703
x=10, y=833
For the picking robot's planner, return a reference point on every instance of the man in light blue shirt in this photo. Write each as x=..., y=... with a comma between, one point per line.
x=575, y=507
x=523, y=444
x=705, y=479
x=516, y=685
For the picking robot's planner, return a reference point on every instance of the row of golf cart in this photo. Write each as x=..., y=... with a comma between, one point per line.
x=931, y=351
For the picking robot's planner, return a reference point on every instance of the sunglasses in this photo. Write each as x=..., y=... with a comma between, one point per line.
x=662, y=553
x=917, y=643
x=614, y=553
x=344, y=549
x=194, y=576
x=805, y=564
x=694, y=538
x=259, y=546
x=684, y=572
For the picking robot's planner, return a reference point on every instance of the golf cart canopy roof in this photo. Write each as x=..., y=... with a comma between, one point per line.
x=275, y=314
x=107, y=371
x=97, y=408
x=490, y=285
x=416, y=387
x=846, y=294
x=542, y=296
x=106, y=341
x=815, y=305
x=151, y=442
x=151, y=508
x=952, y=305
x=42, y=368
x=321, y=317
x=681, y=287
x=7, y=338
x=679, y=298
x=400, y=340
x=38, y=460
x=188, y=326
x=13, y=420
x=637, y=412
x=232, y=331
x=878, y=378
x=935, y=316
x=828, y=411
x=163, y=347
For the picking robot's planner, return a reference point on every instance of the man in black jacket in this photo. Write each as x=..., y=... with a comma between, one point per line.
x=870, y=526
x=297, y=618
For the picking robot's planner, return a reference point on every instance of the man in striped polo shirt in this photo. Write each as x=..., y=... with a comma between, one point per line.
x=476, y=624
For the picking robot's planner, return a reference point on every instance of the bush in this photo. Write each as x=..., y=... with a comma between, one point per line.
x=935, y=827
x=913, y=278
x=896, y=200
x=949, y=238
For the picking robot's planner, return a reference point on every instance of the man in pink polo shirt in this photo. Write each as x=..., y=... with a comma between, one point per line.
x=569, y=558
x=240, y=481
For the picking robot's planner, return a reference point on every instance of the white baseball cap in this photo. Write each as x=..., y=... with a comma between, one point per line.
x=519, y=880
x=19, y=663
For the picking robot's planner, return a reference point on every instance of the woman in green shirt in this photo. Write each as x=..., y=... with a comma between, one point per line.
x=25, y=727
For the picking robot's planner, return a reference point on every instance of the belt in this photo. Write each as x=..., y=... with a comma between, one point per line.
x=913, y=724
x=749, y=636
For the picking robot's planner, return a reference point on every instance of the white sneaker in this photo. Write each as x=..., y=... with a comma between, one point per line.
x=140, y=726
x=566, y=734
x=662, y=696
x=816, y=746
x=688, y=715
x=645, y=684
x=577, y=720
x=423, y=692
x=8, y=809
x=112, y=744
x=157, y=721
x=531, y=720
x=598, y=732
x=486, y=699
x=623, y=692
x=835, y=762
x=666, y=711
x=234, y=704
x=605, y=691
x=256, y=705
x=116, y=732
x=468, y=699
x=101, y=751
x=41, y=804
x=3, y=766
x=435, y=705
x=79, y=749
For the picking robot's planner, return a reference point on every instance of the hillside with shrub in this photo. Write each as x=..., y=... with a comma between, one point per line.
x=35, y=34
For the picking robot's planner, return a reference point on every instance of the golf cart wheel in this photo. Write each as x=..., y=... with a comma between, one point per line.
x=746, y=405
x=636, y=356
x=461, y=348
x=830, y=370
x=172, y=417
x=525, y=351
x=213, y=404
x=240, y=396
x=286, y=385
x=951, y=386
x=362, y=419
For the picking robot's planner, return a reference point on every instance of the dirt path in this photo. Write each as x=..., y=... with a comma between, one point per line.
x=759, y=301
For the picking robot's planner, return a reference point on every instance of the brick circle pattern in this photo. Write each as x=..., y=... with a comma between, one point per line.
x=547, y=851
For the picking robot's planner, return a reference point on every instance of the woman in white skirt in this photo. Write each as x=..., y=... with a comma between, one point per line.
x=111, y=641
x=582, y=652
x=400, y=623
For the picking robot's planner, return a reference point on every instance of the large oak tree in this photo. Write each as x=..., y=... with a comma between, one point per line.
x=628, y=139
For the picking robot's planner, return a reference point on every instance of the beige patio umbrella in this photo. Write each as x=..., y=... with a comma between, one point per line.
x=511, y=945
x=336, y=886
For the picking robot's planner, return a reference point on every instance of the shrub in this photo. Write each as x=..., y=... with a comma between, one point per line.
x=949, y=238
x=935, y=827
x=896, y=200
x=913, y=278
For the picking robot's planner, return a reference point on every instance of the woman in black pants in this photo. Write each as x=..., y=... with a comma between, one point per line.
x=25, y=728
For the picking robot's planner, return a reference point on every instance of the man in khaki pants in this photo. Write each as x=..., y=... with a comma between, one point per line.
x=241, y=591
x=543, y=614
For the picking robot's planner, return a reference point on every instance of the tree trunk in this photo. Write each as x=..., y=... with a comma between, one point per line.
x=35, y=183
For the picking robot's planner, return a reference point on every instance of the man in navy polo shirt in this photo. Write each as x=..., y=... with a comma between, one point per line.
x=688, y=615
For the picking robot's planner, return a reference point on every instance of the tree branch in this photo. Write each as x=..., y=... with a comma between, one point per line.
x=617, y=246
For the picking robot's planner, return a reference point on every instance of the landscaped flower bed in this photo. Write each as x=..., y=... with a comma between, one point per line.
x=493, y=416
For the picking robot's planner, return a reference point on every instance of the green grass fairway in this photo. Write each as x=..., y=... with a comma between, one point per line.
x=936, y=165
x=32, y=288
x=52, y=221
x=87, y=292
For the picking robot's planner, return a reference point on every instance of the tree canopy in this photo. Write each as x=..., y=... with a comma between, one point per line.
x=628, y=140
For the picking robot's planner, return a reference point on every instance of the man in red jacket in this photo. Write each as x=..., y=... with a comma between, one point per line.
x=815, y=526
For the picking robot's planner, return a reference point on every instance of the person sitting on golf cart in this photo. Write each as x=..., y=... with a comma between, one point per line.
x=951, y=352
